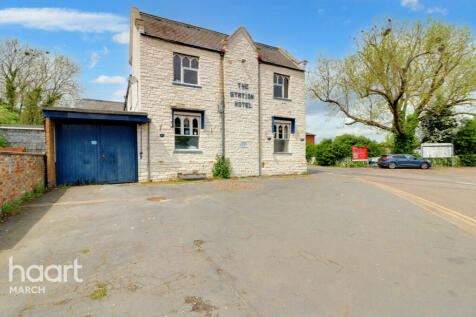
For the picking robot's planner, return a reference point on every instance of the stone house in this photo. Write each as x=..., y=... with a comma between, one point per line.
x=206, y=94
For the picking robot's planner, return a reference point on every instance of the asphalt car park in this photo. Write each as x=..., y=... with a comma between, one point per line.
x=338, y=242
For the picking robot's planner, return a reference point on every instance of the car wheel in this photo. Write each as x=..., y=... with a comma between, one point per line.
x=424, y=166
x=392, y=165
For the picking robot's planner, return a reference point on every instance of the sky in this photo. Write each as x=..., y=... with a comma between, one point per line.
x=95, y=34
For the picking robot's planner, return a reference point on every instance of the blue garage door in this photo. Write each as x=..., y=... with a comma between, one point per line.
x=95, y=153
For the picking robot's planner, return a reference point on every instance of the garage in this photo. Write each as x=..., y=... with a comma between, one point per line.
x=92, y=147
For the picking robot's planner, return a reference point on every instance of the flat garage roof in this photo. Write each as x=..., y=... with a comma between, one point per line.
x=87, y=114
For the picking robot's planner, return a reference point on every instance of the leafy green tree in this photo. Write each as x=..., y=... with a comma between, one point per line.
x=396, y=74
x=6, y=116
x=325, y=153
x=329, y=151
x=28, y=74
x=438, y=123
x=310, y=151
x=31, y=113
x=465, y=139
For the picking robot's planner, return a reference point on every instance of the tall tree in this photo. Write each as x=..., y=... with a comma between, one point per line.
x=438, y=124
x=28, y=73
x=396, y=74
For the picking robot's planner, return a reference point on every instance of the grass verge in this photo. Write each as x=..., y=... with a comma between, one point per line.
x=9, y=207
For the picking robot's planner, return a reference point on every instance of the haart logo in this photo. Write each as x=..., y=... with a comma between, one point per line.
x=54, y=273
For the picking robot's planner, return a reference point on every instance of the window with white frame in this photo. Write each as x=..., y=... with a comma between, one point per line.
x=185, y=69
x=187, y=130
x=282, y=129
x=281, y=85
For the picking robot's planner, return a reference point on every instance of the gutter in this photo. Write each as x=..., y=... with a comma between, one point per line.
x=222, y=88
x=259, y=120
x=289, y=67
x=182, y=43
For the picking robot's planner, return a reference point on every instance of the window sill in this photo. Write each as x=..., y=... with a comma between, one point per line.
x=289, y=153
x=191, y=151
x=186, y=85
x=284, y=99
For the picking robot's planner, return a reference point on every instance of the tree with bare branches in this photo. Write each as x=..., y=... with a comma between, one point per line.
x=33, y=78
x=396, y=74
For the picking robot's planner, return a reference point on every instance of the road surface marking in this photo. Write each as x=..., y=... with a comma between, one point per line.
x=453, y=213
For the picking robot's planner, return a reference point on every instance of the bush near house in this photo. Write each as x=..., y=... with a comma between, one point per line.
x=331, y=152
x=221, y=168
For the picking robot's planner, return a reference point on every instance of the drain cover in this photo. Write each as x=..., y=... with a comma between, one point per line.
x=156, y=198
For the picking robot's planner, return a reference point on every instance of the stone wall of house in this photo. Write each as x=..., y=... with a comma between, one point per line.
x=30, y=137
x=19, y=173
x=241, y=121
x=293, y=108
x=158, y=95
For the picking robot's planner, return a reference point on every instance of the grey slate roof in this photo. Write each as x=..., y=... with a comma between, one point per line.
x=93, y=104
x=174, y=31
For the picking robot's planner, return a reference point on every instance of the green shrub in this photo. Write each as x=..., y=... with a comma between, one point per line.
x=3, y=141
x=310, y=151
x=466, y=160
x=440, y=162
x=221, y=168
x=347, y=162
x=330, y=152
x=9, y=206
x=465, y=139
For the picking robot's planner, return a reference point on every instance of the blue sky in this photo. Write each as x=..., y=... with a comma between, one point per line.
x=94, y=33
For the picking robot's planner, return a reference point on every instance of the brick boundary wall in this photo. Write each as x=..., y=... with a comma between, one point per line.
x=19, y=173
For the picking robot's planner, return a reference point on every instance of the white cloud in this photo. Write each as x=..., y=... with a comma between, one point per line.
x=122, y=38
x=118, y=95
x=96, y=56
x=414, y=5
x=94, y=59
x=103, y=79
x=59, y=19
x=439, y=10
x=321, y=11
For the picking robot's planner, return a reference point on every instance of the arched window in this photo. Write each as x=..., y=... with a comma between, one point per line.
x=186, y=69
x=187, y=130
x=281, y=136
x=185, y=62
x=195, y=126
x=186, y=126
x=177, y=68
x=177, y=126
x=281, y=86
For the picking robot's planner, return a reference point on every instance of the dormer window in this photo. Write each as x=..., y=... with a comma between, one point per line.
x=185, y=69
x=281, y=85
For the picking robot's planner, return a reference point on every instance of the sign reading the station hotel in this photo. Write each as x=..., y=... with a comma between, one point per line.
x=243, y=95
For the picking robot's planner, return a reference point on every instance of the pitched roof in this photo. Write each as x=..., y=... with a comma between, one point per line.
x=174, y=31
x=93, y=104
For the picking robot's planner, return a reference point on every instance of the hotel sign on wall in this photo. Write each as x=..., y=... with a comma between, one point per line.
x=243, y=96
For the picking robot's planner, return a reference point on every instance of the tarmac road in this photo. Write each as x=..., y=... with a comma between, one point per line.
x=338, y=242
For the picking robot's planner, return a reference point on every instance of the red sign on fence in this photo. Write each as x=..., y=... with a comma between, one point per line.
x=359, y=153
